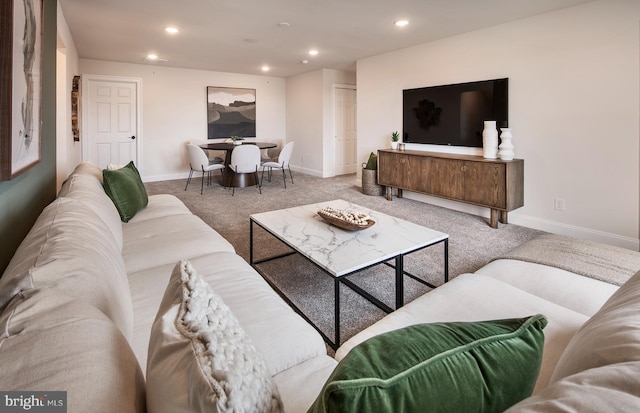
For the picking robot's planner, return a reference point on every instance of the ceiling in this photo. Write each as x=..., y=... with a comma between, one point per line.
x=241, y=36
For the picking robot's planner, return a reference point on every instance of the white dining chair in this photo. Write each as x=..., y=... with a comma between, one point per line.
x=245, y=159
x=214, y=156
x=199, y=162
x=282, y=163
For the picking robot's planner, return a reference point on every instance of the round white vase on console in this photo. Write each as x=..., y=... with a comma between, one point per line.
x=490, y=140
x=506, y=146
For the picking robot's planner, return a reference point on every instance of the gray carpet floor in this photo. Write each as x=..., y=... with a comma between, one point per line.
x=472, y=242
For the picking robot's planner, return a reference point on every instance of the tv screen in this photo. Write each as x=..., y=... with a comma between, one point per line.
x=454, y=114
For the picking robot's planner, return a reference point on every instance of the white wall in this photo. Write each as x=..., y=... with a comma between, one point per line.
x=573, y=107
x=174, y=110
x=305, y=121
x=67, y=65
x=310, y=119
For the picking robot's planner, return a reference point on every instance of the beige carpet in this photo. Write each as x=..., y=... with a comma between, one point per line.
x=472, y=242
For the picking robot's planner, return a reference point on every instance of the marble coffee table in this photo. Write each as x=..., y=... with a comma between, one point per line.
x=341, y=253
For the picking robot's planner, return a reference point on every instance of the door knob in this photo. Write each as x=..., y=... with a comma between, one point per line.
x=133, y=138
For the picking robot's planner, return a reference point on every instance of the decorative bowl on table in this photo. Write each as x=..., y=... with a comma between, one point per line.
x=345, y=219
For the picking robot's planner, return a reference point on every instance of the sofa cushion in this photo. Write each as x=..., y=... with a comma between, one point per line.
x=460, y=300
x=200, y=358
x=281, y=335
x=611, y=336
x=50, y=341
x=86, y=188
x=611, y=388
x=168, y=239
x=443, y=367
x=313, y=373
x=576, y=292
x=72, y=250
x=161, y=205
x=126, y=190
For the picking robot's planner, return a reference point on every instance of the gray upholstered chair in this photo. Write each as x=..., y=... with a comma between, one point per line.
x=282, y=163
x=199, y=162
x=245, y=159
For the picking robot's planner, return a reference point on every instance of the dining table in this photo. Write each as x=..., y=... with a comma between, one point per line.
x=232, y=179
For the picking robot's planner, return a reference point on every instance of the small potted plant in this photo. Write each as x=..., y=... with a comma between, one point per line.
x=237, y=140
x=395, y=138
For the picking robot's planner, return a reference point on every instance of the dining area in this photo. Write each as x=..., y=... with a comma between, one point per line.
x=241, y=163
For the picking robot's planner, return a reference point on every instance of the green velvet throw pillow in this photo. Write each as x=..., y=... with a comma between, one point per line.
x=126, y=190
x=372, y=163
x=458, y=367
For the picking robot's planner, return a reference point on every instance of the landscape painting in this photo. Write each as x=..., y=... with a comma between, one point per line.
x=231, y=112
x=20, y=91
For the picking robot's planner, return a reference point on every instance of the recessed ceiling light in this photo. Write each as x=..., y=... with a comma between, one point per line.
x=171, y=29
x=313, y=52
x=265, y=68
x=152, y=56
x=283, y=25
x=250, y=40
x=304, y=61
x=401, y=23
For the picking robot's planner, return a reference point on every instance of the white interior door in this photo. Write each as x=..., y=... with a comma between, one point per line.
x=111, y=120
x=345, y=130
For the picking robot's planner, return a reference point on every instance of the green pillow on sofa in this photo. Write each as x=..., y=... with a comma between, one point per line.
x=443, y=367
x=126, y=190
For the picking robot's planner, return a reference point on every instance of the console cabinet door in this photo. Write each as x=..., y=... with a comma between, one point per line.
x=447, y=178
x=484, y=184
x=404, y=171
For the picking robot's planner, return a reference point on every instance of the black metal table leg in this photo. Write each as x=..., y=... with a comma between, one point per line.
x=336, y=283
x=399, y=281
x=446, y=260
x=251, y=241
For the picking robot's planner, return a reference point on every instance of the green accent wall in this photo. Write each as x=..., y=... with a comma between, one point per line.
x=23, y=198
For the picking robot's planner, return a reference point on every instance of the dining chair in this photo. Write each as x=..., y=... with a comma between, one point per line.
x=281, y=163
x=199, y=162
x=214, y=156
x=245, y=159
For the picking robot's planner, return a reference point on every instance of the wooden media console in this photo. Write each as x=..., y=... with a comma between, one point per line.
x=491, y=183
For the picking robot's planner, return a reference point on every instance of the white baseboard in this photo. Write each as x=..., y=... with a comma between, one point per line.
x=156, y=178
x=574, y=231
x=534, y=222
x=307, y=171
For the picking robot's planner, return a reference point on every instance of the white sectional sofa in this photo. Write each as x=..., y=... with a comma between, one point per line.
x=79, y=298
x=80, y=295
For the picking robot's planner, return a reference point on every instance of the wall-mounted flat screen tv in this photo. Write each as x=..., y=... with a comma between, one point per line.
x=454, y=114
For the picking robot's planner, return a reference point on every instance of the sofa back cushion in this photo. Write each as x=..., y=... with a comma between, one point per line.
x=88, y=189
x=611, y=388
x=611, y=336
x=52, y=342
x=71, y=249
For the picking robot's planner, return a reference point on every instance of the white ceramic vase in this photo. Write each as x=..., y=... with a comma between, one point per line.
x=394, y=145
x=506, y=146
x=490, y=140
x=237, y=142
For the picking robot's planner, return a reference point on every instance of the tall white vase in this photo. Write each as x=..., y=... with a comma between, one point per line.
x=490, y=140
x=506, y=146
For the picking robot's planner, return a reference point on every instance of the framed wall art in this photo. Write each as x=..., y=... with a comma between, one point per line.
x=20, y=86
x=231, y=112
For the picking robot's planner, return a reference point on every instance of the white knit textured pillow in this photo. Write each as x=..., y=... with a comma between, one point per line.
x=200, y=358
